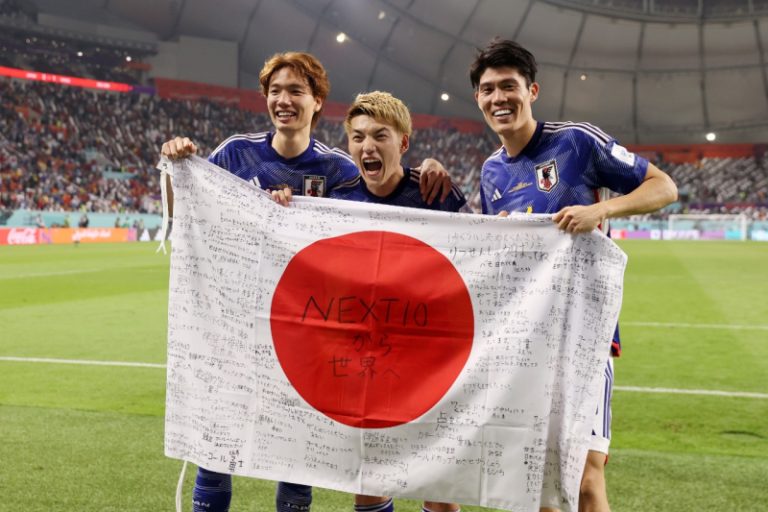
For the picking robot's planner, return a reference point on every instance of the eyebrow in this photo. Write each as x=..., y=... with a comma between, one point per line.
x=383, y=129
x=500, y=82
x=289, y=85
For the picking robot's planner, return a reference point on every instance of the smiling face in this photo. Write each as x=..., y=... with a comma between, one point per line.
x=376, y=148
x=290, y=101
x=505, y=99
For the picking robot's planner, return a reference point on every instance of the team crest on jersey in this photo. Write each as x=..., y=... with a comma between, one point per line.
x=314, y=186
x=546, y=175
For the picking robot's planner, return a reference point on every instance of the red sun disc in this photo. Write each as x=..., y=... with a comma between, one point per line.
x=371, y=328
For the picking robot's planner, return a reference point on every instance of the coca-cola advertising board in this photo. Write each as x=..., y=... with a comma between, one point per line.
x=18, y=236
x=30, y=236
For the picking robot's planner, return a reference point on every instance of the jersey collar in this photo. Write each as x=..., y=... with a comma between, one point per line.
x=528, y=147
x=288, y=161
x=392, y=195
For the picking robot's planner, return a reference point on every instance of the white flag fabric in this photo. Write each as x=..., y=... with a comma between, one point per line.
x=384, y=351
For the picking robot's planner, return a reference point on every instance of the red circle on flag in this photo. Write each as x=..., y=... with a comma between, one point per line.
x=371, y=328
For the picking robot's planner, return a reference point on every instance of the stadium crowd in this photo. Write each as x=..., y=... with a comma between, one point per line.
x=60, y=145
x=724, y=185
x=56, y=142
x=23, y=47
x=36, y=52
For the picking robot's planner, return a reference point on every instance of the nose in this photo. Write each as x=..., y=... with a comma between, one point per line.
x=497, y=96
x=283, y=98
x=368, y=146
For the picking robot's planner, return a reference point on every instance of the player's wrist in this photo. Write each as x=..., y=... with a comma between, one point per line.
x=605, y=210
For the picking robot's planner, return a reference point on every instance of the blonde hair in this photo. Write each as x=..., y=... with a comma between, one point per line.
x=304, y=65
x=382, y=107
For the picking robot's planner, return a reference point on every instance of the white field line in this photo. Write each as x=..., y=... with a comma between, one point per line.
x=57, y=273
x=80, y=361
x=706, y=392
x=756, y=327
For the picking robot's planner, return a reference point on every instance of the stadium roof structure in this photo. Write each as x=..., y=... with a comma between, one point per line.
x=646, y=71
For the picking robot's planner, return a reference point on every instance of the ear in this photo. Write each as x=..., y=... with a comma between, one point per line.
x=534, y=91
x=476, y=103
x=404, y=144
x=318, y=104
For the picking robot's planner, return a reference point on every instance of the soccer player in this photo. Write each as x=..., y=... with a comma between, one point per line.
x=286, y=161
x=379, y=127
x=559, y=168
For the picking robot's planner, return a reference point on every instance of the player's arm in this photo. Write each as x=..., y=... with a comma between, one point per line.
x=655, y=192
x=176, y=148
x=435, y=181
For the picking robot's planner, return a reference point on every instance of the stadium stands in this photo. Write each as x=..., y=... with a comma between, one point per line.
x=66, y=148
x=47, y=54
x=26, y=45
x=723, y=185
x=57, y=143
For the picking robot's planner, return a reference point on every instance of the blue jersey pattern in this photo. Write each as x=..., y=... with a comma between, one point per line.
x=316, y=172
x=405, y=194
x=564, y=164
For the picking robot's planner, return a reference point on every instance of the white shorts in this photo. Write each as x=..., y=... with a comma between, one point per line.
x=601, y=426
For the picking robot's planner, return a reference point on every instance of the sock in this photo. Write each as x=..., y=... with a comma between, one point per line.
x=212, y=493
x=293, y=497
x=387, y=506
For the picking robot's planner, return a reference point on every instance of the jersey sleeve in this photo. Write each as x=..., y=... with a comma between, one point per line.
x=347, y=175
x=221, y=157
x=617, y=168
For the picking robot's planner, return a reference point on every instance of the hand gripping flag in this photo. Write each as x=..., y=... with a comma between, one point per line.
x=384, y=351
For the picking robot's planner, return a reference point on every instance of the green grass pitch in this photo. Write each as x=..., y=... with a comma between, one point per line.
x=90, y=438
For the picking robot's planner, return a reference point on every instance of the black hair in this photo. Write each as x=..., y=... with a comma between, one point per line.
x=503, y=53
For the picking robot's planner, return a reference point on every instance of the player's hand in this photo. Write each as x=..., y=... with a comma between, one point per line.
x=434, y=181
x=282, y=197
x=503, y=213
x=179, y=147
x=579, y=219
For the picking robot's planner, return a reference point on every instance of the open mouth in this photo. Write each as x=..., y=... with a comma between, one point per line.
x=502, y=112
x=372, y=165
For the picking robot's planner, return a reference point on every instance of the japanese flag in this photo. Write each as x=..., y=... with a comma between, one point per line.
x=384, y=351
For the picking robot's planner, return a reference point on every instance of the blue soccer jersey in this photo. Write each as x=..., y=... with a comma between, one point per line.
x=316, y=172
x=406, y=194
x=564, y=164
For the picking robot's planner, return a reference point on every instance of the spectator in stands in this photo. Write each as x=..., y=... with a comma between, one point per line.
x=84, y=220
x=55, y=143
